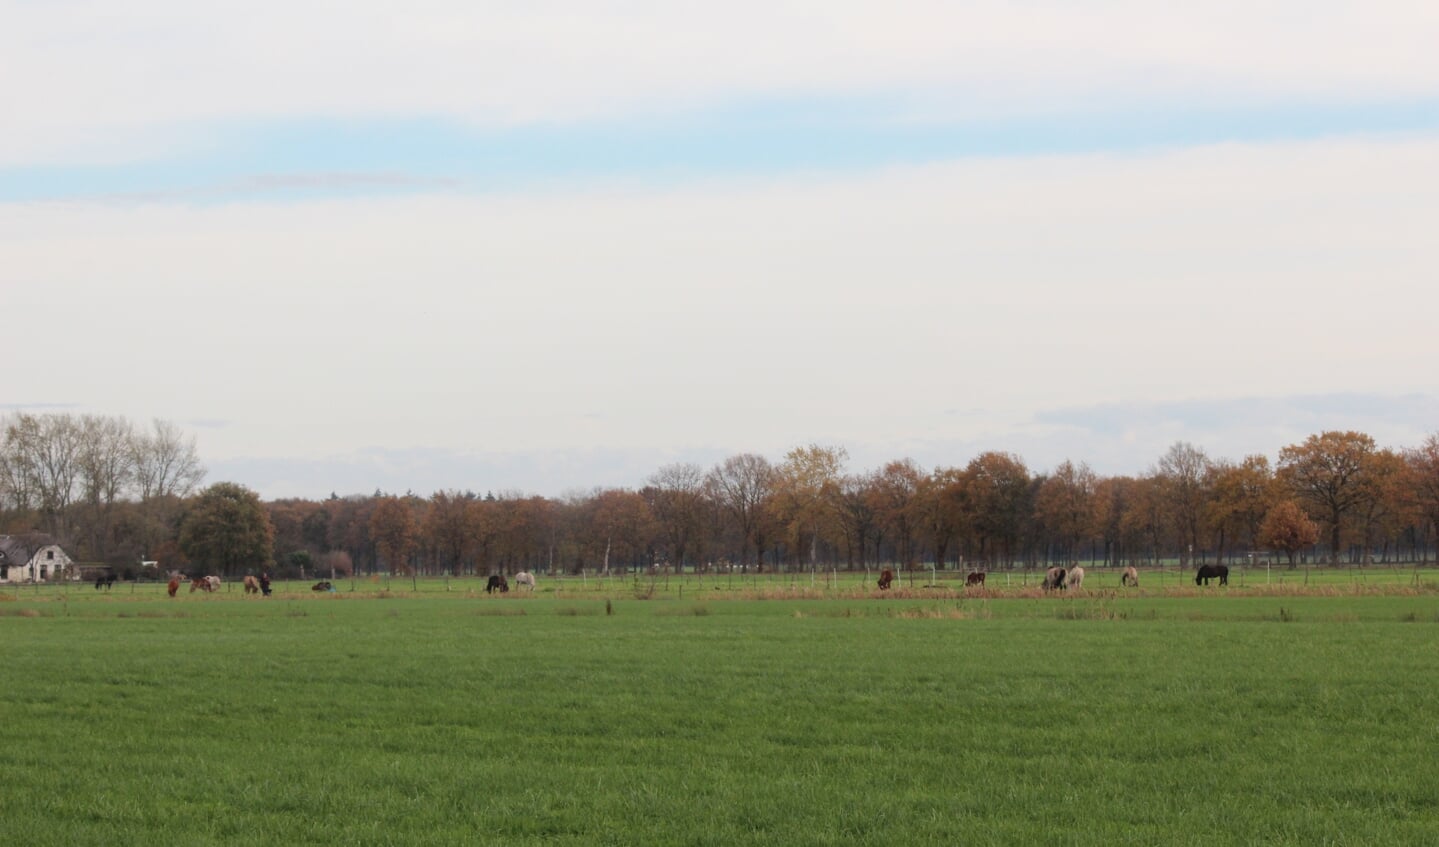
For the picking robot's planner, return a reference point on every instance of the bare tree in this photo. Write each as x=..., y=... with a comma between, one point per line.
x=106, y=472
x=1184, y=477
x=42, y=454
x=166, y=463
x=676, y=495
x=856, y=516
x=742, y=484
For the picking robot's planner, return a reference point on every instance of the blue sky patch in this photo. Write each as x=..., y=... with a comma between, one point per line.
x=337, y=158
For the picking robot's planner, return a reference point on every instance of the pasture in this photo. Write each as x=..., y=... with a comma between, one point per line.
x=769, y=713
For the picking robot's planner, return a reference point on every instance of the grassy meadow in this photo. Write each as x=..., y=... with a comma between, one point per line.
x=761, y=712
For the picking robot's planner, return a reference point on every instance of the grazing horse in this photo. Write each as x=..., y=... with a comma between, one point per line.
x=204, y=583
x=173, y=585
x=252, y=585
x=1053, y=579
x=1075, y=578
x=1130, y=577
x=322, y=585
x=107, y=581
x=526, y=579
x=886, y=576
x=497, y=582
x=974, y=578
x=1208, y=572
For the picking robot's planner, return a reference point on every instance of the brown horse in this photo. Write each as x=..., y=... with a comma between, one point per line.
x=496, y=582
x=975, y=578
x=252, y=585
x=174, y=585
x=204, y=583
x=1054, y=579
x=886, y=577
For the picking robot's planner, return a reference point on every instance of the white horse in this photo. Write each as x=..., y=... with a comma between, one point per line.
x=1074, y=578
x=526, y=579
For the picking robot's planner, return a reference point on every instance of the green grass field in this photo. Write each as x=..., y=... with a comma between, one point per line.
x=762, y=713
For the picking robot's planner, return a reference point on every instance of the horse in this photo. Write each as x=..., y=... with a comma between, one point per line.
x=526, y=579
x=1130, y=577
x=252, y=585
x=975, y=578
x=1075, y=578
x=107, y=581
x=1053, y=579
x=204, y=584
x=886, y=577
x=322, y=585
x=1208, y=572
x=173, y=585
x=497, y=583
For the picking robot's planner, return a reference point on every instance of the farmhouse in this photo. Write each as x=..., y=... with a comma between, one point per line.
x=18, y=564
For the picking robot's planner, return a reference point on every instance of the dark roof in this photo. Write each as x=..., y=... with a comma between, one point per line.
x=13, y=551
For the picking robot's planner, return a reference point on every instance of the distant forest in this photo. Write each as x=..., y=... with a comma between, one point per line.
x=110, y=492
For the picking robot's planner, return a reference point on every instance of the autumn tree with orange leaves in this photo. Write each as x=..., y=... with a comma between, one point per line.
x=1333, y=476
x=394, y=532
x=1240, y=496
x=1424, y=472
x=451, y=526
x=806, y=493
x=997, y=503
x=1288, y=529
x=1066, y=507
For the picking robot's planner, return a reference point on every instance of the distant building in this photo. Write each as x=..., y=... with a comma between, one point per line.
x=18, y=564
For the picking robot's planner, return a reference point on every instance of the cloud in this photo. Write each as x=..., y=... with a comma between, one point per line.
x=318, y=158
x=424, y=471
x=167, y=77
x=1128, y=437
x=754, y=313
x=1113, y=439
x=22, y=407
x=1310, y=413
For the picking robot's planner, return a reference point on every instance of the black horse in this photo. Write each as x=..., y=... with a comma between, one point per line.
x=497, y=583
x=107, y=581
x=1208, y=572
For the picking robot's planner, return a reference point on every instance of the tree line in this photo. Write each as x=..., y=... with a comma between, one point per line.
x=116, y=493
x=101, y=486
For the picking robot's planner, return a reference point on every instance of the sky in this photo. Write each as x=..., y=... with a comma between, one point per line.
x=545, y=246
